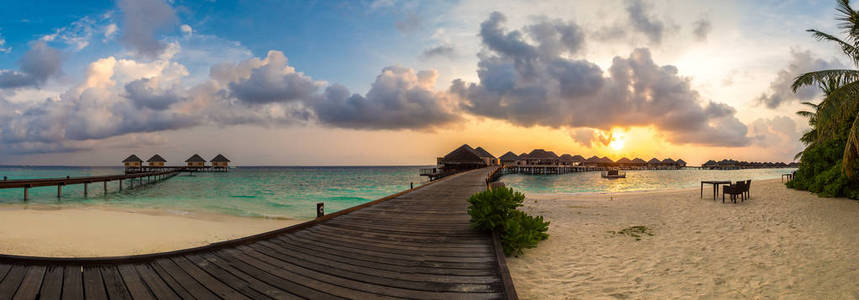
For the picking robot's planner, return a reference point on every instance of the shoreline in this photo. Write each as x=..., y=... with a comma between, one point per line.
x=780, y=243
x=102, y=230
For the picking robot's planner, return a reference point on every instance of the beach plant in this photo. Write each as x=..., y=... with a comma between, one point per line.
x=834, y=121
x=496, y=210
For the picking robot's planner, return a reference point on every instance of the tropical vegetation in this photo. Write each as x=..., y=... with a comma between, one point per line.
x=828, y=165
x=496, y=210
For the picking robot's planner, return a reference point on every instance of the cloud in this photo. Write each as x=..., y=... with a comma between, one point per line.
x=186, y=29
x=410, y=23
x=110, y=31
x=800, y=62
x=400, y=98
x=3, y=47
x=701, y=28
x=779, y=134
x=642, y=22
x=439, y=51
x=36, y=66
x=267, y=81
x=145, y=93
x=589, y=137
x=531, y=84
x=142, y=20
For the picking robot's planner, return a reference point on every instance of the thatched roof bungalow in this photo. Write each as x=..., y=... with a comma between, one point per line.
x=220, y=161
x=578, y=159
x=668, y=162
x=508, y=158
x=606, y=162
x=566, y=160
x=624, y=162
x=639, y=162
x=593, y=161
x=542, y=157
x=195, y=161
x=132, y=161
x=488, y=157
x=653, y=163
x=462, y=158
x=156, y=161
x=680, y=163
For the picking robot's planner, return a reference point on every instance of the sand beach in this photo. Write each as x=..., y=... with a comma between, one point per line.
x=89, y=231
x=782, y=243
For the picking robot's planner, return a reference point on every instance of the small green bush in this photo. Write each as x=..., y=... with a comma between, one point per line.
x=496, y=210
x=820, y=171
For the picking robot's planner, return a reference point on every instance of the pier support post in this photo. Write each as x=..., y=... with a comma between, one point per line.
x=120, y=185
x=59, y=191
x=86, y=189
x=320, y=209
x=26, y=193
x=105, y=187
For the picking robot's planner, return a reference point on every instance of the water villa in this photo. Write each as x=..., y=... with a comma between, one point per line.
x=730, y=164
x=156, y=161
x=132, y=162
x=195, y=161
x=460, y=159
x=509, y=158
x=220, y=162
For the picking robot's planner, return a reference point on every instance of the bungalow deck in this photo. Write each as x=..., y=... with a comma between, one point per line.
x=414, y=244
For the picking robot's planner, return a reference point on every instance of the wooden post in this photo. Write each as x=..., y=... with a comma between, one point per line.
x=86, y=189
x=320, y=209
x=120, y=185
x=60, y=190
x=26, y=193
x=413, y=185
x=105, y=187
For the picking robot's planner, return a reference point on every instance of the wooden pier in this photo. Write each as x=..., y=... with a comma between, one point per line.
x=415, y=244
x=141, y=178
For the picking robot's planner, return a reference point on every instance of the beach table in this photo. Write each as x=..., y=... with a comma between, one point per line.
x=715, y=184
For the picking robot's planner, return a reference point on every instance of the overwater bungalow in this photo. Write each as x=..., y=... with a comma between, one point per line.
x=508, y=158
x=220, y=161
x=196, y=161
x=593, y=161
x=132, y=162
x=488, y=157
x=668, y=163
x=624, y=163
x=566, y=160
x=653, y=163
x=680, y=163
x=156, y=161
x=540, y=157
x=461, y=159
x=578, y=159
x=606, y=162
x=639, y=163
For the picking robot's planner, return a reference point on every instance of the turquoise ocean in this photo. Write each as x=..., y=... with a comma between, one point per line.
x=292, y=192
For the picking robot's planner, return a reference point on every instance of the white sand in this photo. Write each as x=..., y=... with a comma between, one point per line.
x=102, y=231
x=781, y=244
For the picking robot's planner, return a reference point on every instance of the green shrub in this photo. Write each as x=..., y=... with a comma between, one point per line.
x=820, y=171
x=496, y=210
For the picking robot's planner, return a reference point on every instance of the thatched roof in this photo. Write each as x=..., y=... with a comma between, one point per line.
x=606, y=160
x=578, y=158
x=542, y=154
x=523, y=155
x=483, y=153
x=654, y=161
x=132, y=158
x=220, y=158
x=195, y=158
x=710, y=163
x=638, y=161
x=156, y=158
x=593, y=159
x=624, y=161
x=566, y=158
x=668, y=161
x=463, y=154
x=509, y=156
x=681, y=162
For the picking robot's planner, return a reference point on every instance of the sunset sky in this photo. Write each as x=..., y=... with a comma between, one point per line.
x=395, y=82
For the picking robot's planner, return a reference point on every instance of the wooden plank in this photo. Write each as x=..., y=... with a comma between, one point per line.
x=52, y=283
x=240, y=284
x=114, y=283
x=274, y=276
x=12, y=281
x=212, y=284
x=136, y=287
x=157, y=285
x=456, y=262
x=181, y=278
x=3, y=270
x=73, y=287
x=29, y=288
x=94, y=284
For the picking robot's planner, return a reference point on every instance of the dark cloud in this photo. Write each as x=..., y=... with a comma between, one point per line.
x=643, y=22
x=142, y=21
x=142, y=93
x=440, y=51
x=701, y=28
x=36, y=66
x=800, y=62
x=398, y=99
x=527, y=86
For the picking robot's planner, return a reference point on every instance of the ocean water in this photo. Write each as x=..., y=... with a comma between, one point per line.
x=285, y=192
x=644, y=180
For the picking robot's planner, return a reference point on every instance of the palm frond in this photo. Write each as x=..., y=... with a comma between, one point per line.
x=824, y=77
x=849, y=18
x=837, y=108
x=806, y=114
x=851, y=151
x=798, y=156
x=811, y=104
x=847, y=48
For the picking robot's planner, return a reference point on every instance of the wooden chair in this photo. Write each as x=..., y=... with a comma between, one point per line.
x=748, y=186
x=734, y=190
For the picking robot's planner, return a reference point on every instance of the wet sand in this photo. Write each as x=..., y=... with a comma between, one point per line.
x=780, y=244
x=90, y=231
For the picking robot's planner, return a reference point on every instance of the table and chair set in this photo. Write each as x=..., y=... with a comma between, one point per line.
x=739, y=189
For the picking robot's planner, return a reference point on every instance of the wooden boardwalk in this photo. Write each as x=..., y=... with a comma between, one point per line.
x=411, y=245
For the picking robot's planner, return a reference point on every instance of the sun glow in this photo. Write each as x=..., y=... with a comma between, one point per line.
x=616, y=144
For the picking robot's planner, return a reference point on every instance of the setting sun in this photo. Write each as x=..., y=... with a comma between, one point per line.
x=616, y=143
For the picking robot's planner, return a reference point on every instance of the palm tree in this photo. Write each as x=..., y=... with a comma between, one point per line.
x=840, y=105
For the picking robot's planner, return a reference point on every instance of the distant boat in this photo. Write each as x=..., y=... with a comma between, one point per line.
x=611, y=174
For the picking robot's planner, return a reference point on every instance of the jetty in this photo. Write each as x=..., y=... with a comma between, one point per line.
x=415, y=244
x=139, y=177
